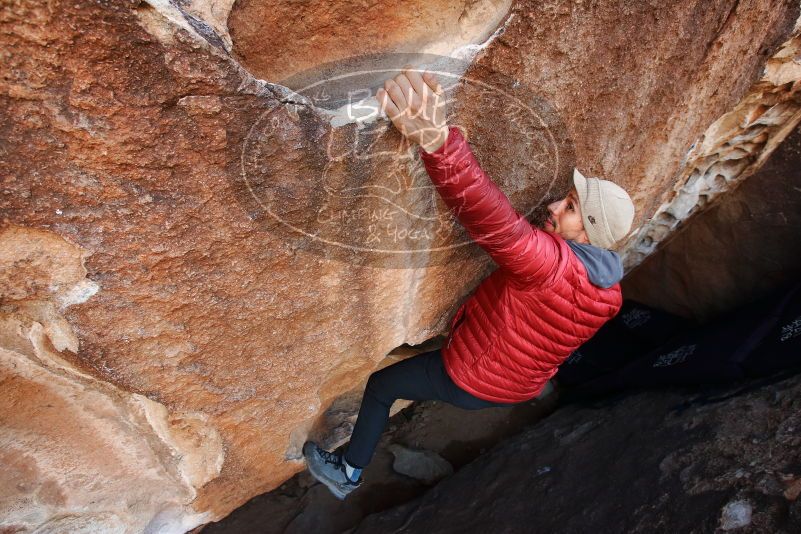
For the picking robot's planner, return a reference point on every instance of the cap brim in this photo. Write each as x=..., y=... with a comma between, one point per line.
x=581, y=188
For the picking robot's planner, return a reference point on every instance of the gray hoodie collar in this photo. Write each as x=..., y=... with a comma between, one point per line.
x=604, y=267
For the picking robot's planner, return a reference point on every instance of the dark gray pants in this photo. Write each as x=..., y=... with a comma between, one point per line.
x=421, y=377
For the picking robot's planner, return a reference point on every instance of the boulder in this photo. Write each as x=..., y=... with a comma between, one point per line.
x=426, y=466
x=674, y=460
x=198, y=262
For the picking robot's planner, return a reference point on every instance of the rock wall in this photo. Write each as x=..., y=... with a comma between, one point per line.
x=78, y=452
x=316, y=32
x=744, y=246
x=730, y=151
x=205, y=336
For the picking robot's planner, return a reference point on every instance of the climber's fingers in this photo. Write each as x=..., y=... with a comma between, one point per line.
x=409, y=94
x=426, y=99
x=416, y=80
x=432, y=82
x=396, y=94
x=387, y=105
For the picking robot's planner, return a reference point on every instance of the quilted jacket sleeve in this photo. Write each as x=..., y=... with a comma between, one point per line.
x=529, y=254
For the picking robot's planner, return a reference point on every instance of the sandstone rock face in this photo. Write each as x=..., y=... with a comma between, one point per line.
x=742, y=247
x=185, y=265
x=317, y=32
x=676, y=461
x=72, y=443
x=731, y=150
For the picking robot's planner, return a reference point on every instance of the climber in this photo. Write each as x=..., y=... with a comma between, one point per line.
x=553, y=289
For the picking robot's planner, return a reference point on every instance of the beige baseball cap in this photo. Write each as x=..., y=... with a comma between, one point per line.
x=606, y=208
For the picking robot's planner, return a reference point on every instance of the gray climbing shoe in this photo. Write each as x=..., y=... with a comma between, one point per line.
x=328, y=468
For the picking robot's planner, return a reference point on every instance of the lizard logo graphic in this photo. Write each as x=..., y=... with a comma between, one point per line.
x=398, y=177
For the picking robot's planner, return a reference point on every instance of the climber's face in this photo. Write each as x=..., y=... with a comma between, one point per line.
x=564, y=218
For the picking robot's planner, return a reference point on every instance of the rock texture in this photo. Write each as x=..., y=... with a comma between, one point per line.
x=426, y=466
x=670, y=461
x=276, y=41
x=731, y=150
x=302, y=504
x=133, y=139
x=78, y=453
x=741, y=248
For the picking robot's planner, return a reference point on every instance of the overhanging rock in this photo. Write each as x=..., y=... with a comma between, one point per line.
x=125, y=128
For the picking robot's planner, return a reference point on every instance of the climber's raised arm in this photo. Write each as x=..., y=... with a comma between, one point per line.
x=415, y=105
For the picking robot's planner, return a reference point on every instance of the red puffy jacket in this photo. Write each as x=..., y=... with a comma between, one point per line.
x=509, y=337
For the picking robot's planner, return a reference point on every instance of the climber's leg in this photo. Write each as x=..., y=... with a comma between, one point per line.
x=421, y=377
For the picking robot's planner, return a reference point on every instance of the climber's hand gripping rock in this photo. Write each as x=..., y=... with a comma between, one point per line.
x=415, y=103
